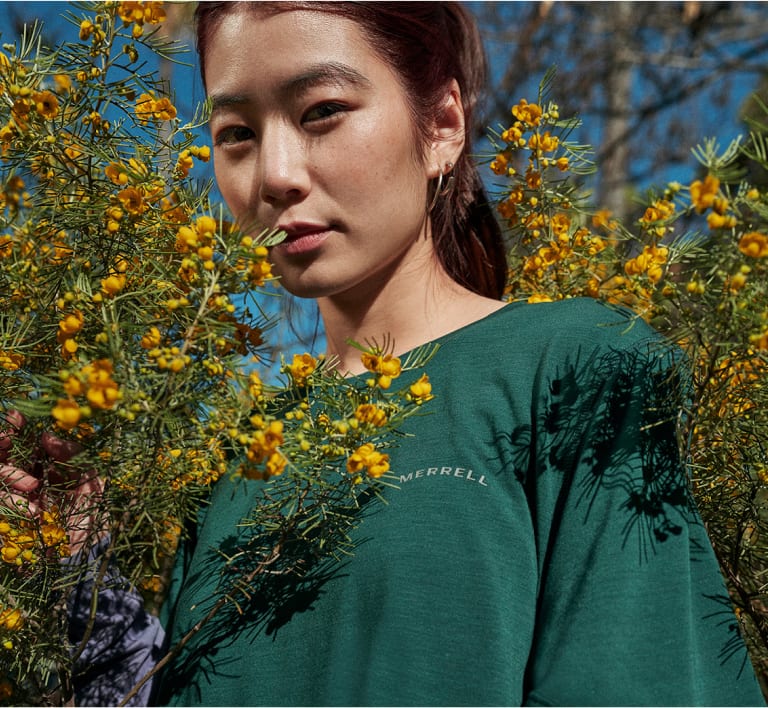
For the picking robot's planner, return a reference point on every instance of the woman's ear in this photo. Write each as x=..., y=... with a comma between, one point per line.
x=449, y=132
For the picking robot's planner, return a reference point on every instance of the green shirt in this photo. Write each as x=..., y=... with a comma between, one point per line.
x=541, y=547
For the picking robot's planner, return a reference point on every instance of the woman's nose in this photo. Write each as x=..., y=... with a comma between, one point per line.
x=283, y=173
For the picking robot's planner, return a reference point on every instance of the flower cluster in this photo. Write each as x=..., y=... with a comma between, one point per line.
x=754, y=244
x=706, y=196
x=558, y=252
x=368, y=458
x=149, y=107
x=386, y=366
x=351, y=439
x=263, y=448
x=92, y=382
x=23, y=542
x=301, y=368
x=140, y=13
x=132, y=329
x=706, y=289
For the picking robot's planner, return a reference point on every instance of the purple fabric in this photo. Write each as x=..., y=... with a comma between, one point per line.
x=125, y=643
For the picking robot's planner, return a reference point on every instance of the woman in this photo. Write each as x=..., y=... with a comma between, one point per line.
x=542, y=547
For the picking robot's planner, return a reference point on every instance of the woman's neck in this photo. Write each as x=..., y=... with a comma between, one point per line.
x=414, y=305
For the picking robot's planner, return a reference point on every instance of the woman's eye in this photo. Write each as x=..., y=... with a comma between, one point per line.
x=233, y=135
x=323, y=111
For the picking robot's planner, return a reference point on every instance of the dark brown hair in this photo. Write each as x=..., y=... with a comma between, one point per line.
x=427, y=44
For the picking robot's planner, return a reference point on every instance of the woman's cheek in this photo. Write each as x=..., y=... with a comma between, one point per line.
x=232, y=189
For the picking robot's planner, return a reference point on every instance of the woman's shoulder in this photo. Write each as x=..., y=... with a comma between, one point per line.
x=536, y=342
x=575, y=323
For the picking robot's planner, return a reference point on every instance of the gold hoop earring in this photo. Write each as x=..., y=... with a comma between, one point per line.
x=441, y=191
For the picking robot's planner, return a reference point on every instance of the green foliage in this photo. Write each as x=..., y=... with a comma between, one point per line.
x=131, y=347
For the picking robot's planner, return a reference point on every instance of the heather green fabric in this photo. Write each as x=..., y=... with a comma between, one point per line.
x=541, y=547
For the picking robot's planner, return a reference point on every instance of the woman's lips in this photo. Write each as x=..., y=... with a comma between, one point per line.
x=304, y=241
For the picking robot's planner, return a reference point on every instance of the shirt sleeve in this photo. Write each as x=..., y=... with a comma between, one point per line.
x=632, y=608
x=123, y=644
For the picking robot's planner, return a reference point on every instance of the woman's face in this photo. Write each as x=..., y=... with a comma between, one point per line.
x=312, y=135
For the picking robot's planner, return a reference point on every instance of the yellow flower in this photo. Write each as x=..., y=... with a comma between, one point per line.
x=132, y=200
x=513, y=134
x=20, y=112
x=148, y=107
x=760, y=341
x=67, y=414
x=529, y=113
x=71, y=324
x=263, y=446
x=68, y=347
x=47, y=104
x=386, y=365
x=370, y=413
x=63, y=83
x=206, y=226
x=703, y=193
x=533, y=178
x=366, y=457
x=103, y=391
x=184, y=163
x=736, y=282
x=113, y=284
x=421, y=390
x=754, y=244
x=275, y=464
x=53, y=535
x=10, y=553
x=273, y=435
x=660, y=210
x=164, y=109
x=356, y=461
x=717, y=220
x=11, y=361
x=648, y=262
x=151, y=339
x=389, y=366
x=116, y=173
x=86, y=29
x=186, y=238
x=602, y=219
x=302, y=366
x=378, y=465
x=255, y=385
x=145, y=107
x=259, y=269
x=544, y=143
x=73, y=386
x=139, y=12
x=12, y=619
x=501, y=164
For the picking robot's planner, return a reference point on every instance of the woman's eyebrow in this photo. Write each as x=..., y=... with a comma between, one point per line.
x=322, y=74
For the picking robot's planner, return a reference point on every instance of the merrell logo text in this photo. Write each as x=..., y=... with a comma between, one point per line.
x=464, y=473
